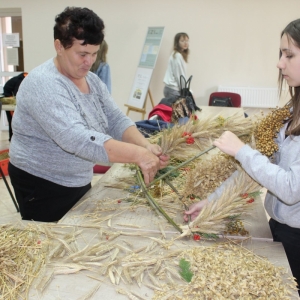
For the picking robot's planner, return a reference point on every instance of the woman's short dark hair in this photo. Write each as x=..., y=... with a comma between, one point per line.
x=78, y=23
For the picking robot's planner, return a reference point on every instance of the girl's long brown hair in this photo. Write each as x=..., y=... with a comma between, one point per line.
x=176, y=48
x=292, y=31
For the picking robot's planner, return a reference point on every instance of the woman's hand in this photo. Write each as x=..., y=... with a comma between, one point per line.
x=229, y=143
x=194, y=210
x=156, y=150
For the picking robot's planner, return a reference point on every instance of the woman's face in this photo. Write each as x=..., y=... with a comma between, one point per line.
x=184, y=42
x=289, y=62
x=75, y=62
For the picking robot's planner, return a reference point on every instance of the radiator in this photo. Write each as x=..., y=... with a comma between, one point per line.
x=254, y=97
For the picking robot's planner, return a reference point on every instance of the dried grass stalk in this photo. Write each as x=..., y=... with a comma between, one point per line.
x=214, y=217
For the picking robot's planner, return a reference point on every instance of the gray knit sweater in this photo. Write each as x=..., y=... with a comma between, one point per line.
x=59, y=132
x=281, y=178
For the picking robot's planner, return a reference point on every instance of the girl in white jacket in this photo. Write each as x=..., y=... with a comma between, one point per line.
x=177, y=65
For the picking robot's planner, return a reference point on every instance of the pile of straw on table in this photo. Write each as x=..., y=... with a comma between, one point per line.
x=22, y=255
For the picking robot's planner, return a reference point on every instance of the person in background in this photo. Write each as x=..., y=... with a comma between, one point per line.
x=101, y=67
x=282, y=176
x=66, y=121
x=177, y=65
x=10, y=89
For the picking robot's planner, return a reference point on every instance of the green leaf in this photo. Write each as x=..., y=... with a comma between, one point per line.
x=234, y=217
x=210, y=236
x=185, y=271
x=167, y=169
x=255, y=194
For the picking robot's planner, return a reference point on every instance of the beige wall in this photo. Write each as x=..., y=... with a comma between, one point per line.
x=232, y=42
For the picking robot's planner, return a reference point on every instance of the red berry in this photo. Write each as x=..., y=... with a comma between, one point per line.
x=119, y=201
x=250, y=200
x=196, y=237
x=244, y=195
x=190, y=140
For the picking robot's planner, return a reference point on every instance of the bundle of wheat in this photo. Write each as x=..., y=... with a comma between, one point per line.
x=235, y=200
x=182, y=141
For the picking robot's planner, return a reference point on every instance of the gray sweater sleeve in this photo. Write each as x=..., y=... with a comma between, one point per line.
x=281, y=180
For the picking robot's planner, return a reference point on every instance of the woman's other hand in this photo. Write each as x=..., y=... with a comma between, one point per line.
x=149, y=164
x=194, y=210
x=229, y=143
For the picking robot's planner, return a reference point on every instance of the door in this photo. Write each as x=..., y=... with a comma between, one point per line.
x=10, y=23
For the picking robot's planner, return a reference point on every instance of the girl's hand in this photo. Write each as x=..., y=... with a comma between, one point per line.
x=229, y=143
x=194, y=210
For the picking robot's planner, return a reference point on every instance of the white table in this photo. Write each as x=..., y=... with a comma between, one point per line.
x=219, y=110
x=101, y=210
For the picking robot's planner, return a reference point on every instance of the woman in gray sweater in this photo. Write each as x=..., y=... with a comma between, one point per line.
x=66, y=121
x=282, y=176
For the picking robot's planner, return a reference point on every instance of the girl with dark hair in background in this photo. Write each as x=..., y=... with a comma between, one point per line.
x=177, y=65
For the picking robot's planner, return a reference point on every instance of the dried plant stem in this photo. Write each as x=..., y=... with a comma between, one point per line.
x=153, y=203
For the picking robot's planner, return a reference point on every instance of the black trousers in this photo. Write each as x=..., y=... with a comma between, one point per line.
x=40, y=199
x=9, y=119
x=290, y=239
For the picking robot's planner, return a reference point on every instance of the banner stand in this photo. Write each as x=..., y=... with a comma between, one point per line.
x=140, y=88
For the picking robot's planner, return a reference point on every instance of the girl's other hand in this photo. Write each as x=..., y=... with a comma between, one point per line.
x=194, y=210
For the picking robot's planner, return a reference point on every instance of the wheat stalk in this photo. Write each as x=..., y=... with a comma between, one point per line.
x=214, y=216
